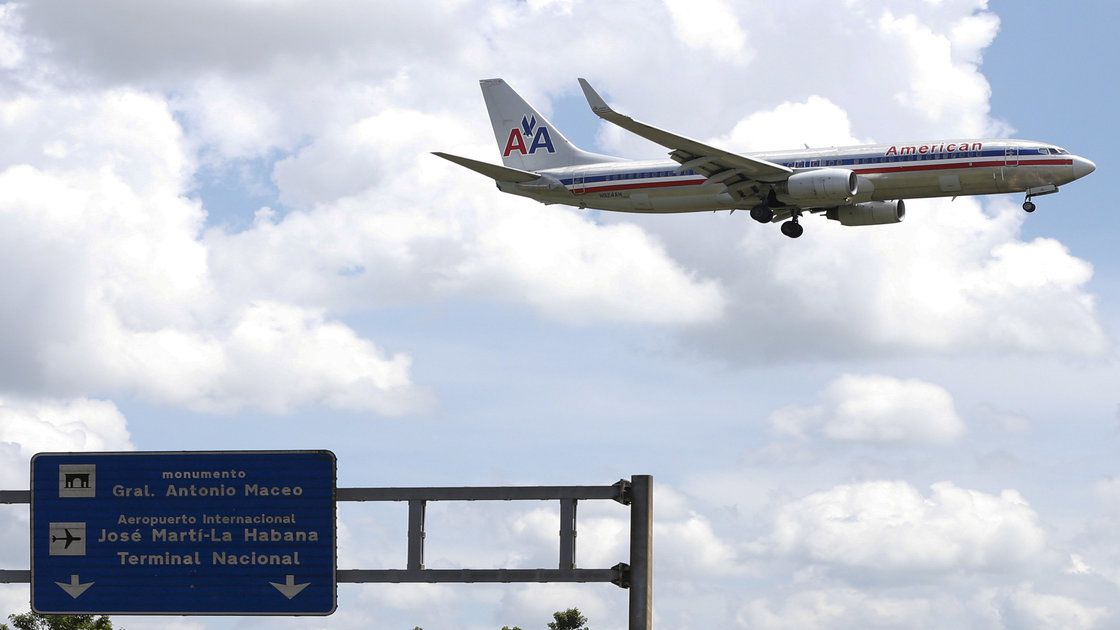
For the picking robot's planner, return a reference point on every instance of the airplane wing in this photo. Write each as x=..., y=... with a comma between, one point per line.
x=735, y=171
x=493, y=171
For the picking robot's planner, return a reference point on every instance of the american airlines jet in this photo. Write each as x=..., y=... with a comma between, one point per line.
x=856, y=185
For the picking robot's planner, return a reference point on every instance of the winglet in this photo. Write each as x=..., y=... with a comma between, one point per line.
x=598, y=105
x=683, y=148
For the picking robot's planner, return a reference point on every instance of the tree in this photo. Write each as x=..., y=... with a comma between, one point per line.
x=509, y=628
x=35, y=621
x=569, y=619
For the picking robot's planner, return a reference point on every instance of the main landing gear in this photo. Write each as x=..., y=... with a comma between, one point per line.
x=792, y=228
x=762, y=213
x=1028, y=205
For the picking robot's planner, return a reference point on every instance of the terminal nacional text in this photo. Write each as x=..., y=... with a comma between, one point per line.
x=261, y=535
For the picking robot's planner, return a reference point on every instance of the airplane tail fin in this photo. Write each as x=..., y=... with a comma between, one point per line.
x=526, y=139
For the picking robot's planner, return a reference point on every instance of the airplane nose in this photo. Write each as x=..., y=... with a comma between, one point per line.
x=1082, y=167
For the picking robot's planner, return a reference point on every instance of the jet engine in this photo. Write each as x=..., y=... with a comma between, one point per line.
x=869, y=213
x=822, y=185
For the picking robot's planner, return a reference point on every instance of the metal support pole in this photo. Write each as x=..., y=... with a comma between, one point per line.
x=567, y=534
x=614, y=492
x=416, y=510
x=15, y=496
x=403, y=576
x=641, y=553
x=18, y=576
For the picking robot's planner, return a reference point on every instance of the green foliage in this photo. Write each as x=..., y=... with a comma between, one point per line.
x=509, y=628
x=569, y=619
x=35, y=621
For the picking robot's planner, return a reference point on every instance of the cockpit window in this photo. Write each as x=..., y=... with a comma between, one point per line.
x=1059, y=151
x=1044, y=151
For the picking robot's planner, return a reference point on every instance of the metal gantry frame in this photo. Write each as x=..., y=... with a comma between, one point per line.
x=637, y=576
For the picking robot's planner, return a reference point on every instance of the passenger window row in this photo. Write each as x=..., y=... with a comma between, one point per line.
x=621, y=176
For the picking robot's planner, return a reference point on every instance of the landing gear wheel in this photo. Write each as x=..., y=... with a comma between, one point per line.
x=1028, y=206
x=762, y=214
x=792, y=229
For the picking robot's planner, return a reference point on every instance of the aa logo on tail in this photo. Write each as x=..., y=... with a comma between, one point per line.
x=529, y=129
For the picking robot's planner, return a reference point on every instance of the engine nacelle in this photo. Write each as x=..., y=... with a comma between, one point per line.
x=870, y=213
x=835, y=185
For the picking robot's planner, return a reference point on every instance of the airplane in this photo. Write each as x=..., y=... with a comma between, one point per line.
x=69, y=538
x=853, y=185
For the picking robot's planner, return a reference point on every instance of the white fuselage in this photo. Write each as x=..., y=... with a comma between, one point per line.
x=884, y=172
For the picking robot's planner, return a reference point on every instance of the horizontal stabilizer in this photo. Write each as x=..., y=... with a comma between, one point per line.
x=493, y=171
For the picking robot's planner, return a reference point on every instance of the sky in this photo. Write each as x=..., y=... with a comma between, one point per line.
x=221, y=227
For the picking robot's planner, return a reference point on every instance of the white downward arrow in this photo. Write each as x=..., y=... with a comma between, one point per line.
x=289, y=588
x=74, y=588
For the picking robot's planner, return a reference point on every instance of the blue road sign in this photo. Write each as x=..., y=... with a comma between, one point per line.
x=202, y=533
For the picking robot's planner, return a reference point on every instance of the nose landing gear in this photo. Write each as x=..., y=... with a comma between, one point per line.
x=1028, y=205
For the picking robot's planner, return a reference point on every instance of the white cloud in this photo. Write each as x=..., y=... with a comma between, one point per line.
x=349, y=160
x=109, y=283
x=1004, y=420
x=951, y=279
x=891, y=526
x=971, y=34
x=230, y=121
x=841, y=608
x=365, y=244
x=690, y=545
x=122, y=132
x=410, y=597
x=36, y=425
x=563, y=7
x=579, y=272
x=817, y=122
x=710, y=26
x=325, y=363
x=137, y=42
x=533, y=604
x=871, y=408
x=39, y=425
x=687, y=544
x=947, y=89
x=1017, y=608
x=11, y=46
x=1026, y=609
x=1107, y=491
x=15, y=598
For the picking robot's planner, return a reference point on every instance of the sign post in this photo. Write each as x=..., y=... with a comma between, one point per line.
x=199, y=533
x=253, y=533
